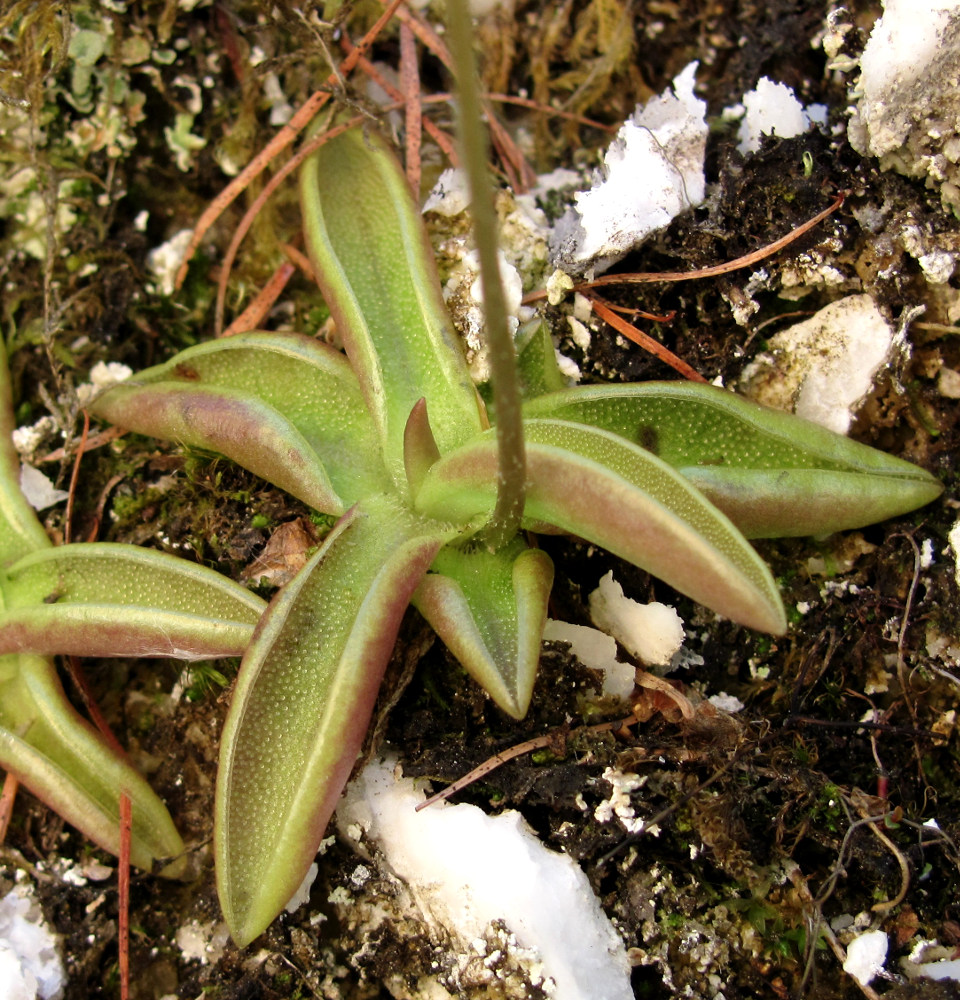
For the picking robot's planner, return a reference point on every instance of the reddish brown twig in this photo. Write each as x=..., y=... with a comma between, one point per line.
x=300, y=260
x=520, y=175
x=247, y=221
x=301, y=118
x=537, y=743
x=74, y=475
x=441, y=138
x=651, y=277
x=252, y=317
x=123, y=888
x=645, y=341
x=7, y=798
x=526, y=102
x=640, y=313
x=97, y=440
x=410, y=85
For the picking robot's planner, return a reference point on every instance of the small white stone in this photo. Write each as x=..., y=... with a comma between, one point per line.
x=38, y=489
x=770, y=109
x=651, y=632
x=597, y=651
x=866, y=955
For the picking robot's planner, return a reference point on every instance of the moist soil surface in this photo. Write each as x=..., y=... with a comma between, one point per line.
x=828, y=804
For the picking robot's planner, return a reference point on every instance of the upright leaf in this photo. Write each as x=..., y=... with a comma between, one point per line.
x=375, y=267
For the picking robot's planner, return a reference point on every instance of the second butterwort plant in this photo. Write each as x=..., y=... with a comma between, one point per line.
x=393, y=438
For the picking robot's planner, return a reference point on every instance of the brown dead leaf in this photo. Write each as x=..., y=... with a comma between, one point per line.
x=284, y=555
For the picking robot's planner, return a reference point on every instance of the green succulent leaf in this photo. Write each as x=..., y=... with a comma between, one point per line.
x=103, y=599
x=238, y=426
x=597, y=485
x=375, y=267
x=66, y=763
x=537, y=361
x=277, y=390
x=490, y=608
x=20, y=531
x=304, y=695
x=771, y=473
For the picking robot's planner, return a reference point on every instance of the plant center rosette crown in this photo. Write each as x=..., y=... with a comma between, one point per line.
x=394, y=440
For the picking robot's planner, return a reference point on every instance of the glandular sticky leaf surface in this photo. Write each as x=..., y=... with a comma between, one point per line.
x=490, y=608
x=304, y=696
x=310, y=385
x=601, y=487
x=772, y=473
x=376, y=270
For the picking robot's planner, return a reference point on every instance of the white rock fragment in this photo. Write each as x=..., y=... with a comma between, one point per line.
x=954, y=539
x=450, y=195
x=597, y=651
x=463, y=294
x=467, y=870
x=651, y=632
x=866, y=955
x=27, y=439
x=726, y=702
x=102, y=376
x=663, y=144
x=38, y=489
x=773, y=109
x=302, y=895
x=619, y=805
x=30, y=965
x=823, y=367
x=202, y=942
x=908, y=109
x=944, y=969
x=164, y=260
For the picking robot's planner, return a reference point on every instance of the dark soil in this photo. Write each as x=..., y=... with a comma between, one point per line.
x=761, y=838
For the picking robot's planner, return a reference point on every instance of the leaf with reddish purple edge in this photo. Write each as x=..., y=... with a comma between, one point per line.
x=238, y=426
x=67, y=764
x=304, y=695
x=103, y=599
x=773, y=474
x=310, y=385
x=375, y=267
x=599, y=486
x=489, y=608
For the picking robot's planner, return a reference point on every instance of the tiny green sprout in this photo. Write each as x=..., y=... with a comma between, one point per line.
x=807, y=159
x=393, y=441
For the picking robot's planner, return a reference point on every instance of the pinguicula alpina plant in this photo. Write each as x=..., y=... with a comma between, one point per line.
x=393, y=439
x=433, y=502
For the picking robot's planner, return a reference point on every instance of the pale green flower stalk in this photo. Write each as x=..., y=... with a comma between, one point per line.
x=511, y=459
